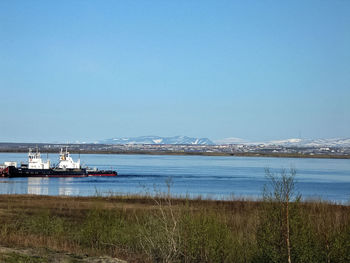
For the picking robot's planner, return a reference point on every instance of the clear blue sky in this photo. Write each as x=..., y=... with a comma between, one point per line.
x=259, y=70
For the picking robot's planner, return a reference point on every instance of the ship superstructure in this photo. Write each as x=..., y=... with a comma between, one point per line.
x=36, y=167
x=66, y=162
x=35, y=161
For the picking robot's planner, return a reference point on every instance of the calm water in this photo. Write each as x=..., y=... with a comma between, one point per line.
x=209, y=176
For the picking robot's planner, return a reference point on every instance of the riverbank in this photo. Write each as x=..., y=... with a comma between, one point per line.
x=148, y=229
x=239, y=154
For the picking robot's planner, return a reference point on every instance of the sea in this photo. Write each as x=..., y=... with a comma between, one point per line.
x=207, y=177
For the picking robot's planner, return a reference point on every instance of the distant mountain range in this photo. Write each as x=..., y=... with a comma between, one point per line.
x=158, y=140
x=333, y=142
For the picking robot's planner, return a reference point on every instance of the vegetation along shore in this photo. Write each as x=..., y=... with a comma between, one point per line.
x=76, y=150
x=185, y=149
x=159, y=228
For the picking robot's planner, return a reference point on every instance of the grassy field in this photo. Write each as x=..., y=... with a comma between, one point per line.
x=162, y=229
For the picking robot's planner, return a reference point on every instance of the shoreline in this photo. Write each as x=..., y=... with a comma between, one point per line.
x=237, y=154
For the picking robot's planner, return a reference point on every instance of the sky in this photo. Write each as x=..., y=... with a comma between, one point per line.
x=90, y=70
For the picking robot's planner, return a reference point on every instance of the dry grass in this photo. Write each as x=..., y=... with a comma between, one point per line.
x=163, y=229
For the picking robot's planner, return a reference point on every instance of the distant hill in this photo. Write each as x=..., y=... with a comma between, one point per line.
x=294, y=142
x=158, y=140
x=333, y=142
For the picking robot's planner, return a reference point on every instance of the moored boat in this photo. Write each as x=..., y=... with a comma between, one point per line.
x=12, y=171
x=37, y=168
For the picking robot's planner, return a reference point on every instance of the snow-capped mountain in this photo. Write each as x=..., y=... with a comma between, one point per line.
x=293, y=142
x=333, y=142
x=158, y=140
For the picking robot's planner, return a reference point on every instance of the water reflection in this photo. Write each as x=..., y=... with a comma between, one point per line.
x=65, y=187
x=7, y=187
x=38, y=186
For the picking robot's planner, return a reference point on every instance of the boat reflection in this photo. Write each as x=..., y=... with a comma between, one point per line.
x=38, y=186
x=65, y=187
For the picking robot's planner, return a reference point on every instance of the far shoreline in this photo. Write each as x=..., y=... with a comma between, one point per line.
x=238, y=154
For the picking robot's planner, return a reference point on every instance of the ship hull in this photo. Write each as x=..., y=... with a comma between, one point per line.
x=12, y=171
